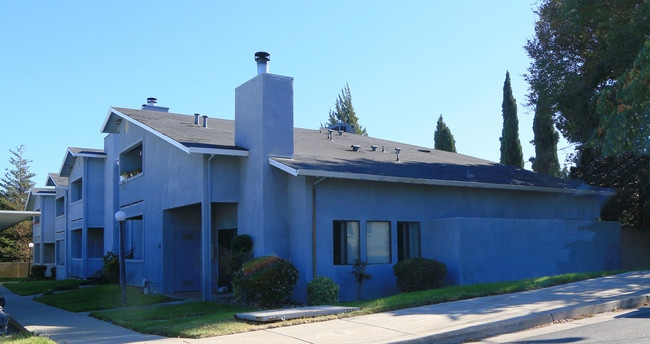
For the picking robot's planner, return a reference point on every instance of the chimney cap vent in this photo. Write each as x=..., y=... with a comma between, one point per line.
x=262, y=55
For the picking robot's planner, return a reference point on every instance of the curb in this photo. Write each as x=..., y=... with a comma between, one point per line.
x=525, y=322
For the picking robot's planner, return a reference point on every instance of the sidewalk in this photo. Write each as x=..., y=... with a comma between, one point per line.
x=450, y=322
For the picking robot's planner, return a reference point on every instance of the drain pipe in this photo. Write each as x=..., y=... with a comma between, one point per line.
x=313, y=224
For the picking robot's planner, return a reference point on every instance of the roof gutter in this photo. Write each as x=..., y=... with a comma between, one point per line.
x=438, y=182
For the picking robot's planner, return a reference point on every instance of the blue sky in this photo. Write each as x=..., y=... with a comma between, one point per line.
x=64, y=63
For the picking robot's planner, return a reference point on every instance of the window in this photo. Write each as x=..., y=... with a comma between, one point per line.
x=408, y=240
x=378, y=242
x=76, y=190
x=131, y=162
x=37, y=254
x=60, y=252
x=346, y=242
x=133, y=238
x=95, y=243
x=75, y=243
x=59, y=207
x=48, y=254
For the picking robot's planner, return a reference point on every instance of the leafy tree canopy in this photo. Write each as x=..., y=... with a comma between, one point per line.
x=344, y=112
x=442, y=138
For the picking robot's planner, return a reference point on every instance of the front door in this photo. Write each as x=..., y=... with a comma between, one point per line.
x=223, y=241
x=187, y=259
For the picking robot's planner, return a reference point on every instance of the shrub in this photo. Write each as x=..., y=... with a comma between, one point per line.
x=38, y=272
x=322, y=291
x=267, y=280
x=111, y=269
x=53, y=272
x=242, y=243
x=419, y=274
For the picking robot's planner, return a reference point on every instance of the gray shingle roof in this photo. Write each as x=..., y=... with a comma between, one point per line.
x=53, y=179
x=316, y=155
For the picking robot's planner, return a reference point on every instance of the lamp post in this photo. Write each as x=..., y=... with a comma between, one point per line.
x=120, y=217
x=29, y=259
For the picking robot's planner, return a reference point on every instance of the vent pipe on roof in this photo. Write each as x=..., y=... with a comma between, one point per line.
x=262, y=58
x=152, y=101
x=355, y=148
x=205, y=121
x=152, y=105
x=196, y=118
x=374, y=148
x=397, y=150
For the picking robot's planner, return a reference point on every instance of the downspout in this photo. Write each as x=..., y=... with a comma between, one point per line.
x=313, y=224
x=84, y=228
x=206, y=235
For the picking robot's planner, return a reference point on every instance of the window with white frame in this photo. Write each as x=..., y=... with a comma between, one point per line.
x=378, y=242
x=133, y=238
x=408, y=240
x=346, y=242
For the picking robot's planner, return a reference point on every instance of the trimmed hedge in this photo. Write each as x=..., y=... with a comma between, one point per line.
x=267, y=280
x=322, y=291
x=419, y=274
x=38, y=272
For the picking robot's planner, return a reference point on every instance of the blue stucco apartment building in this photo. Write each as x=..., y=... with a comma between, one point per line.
x=322, y=199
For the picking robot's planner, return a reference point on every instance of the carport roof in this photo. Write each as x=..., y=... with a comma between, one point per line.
x=9, y=218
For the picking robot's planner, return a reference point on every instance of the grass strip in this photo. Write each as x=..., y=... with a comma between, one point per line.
x=25, y=338
x=208, y=319
x=25, y=288
x=99, y=297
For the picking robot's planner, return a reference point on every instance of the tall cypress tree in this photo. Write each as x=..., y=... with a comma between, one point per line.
x=510, y=145
x=546, y=139
x=344, y=112
x=442, y=138
x=16, y=183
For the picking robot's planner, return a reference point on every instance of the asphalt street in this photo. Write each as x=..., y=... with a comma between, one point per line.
x=622, y=326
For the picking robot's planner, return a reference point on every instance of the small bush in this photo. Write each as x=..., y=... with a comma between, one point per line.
x=53, y=272
x=322, y=291
x=267, y=280
x=38, y=272
x=419, y=274
x=242, y=243
x=240, y=252
x=111, y=269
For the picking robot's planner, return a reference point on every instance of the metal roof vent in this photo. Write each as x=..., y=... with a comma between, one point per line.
x=262, y=58
x=397, y=150
x=355, y=148
x=329, y=134
x=196, y=118
x=152, y=105
x=374, y=148
x=205, y=121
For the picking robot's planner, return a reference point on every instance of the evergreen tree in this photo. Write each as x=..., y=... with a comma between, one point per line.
x=14, y=188
x=442, y=138
x=510, y=145
x=16, y=183
x=344, y=112
x=546, y=139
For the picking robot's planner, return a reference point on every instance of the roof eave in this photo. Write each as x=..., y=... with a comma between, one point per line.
x=218, y=151
x=438, y=182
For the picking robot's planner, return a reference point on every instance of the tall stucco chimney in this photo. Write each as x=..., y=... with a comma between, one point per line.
x=264, y=114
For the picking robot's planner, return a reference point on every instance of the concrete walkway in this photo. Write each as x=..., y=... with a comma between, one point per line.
x=450, y=322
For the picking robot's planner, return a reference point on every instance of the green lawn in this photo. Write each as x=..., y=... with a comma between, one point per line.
x=39, y=287
x=10, y=279
x=99, y=297
x=25, y=339
x=207, y=319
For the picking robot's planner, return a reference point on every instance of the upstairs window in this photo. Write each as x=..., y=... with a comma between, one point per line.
x=76, y=190
x=60, y=207
x=131, y=162
x=378, y=242
x=408, y=240
x=95, y=244
x=346, y=242
x=75, y=243
x=60, y=252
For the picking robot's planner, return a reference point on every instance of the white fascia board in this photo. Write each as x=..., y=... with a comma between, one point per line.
x=65, y=158
x=217, y=151
x=283, y=167
x=453, y=183
x=87, y=155
x=149, y=129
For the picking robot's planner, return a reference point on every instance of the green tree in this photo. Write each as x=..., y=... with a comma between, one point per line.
x=510, y=145
x=14, y=188
x=344, y=112
x=546, y=139
x=442, y=138
x=15, y=184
